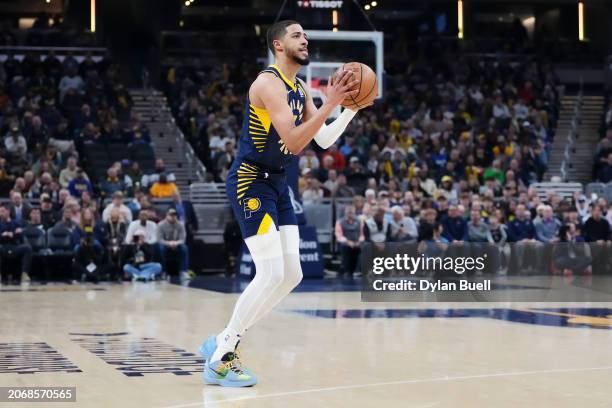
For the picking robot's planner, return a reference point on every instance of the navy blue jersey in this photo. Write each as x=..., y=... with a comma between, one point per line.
x=257, y=183
x=259, y=143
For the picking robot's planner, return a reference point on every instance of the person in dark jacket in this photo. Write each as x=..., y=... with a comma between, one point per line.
x=377, y=228
x=88, y=262
x=20, y=210
x=521, y=232
x=12, y=243
x=455, y=227
x=597, y=232
x=232, y=242
x=48, y=215
x=90, y=226
x=455, y=230
x=185, y=213
x=79, y=184
x=596, y=228
x=571, y=252
x=605, y=172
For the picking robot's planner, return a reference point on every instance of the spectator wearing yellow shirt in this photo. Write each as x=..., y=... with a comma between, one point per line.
x=504, y=149
x=162, y=188
x=471, y=170
x=404, y=141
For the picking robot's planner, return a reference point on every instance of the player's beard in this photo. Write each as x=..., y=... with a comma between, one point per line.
x=299, y=60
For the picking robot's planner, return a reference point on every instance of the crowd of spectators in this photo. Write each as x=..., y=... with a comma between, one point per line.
x=461, y=227
x=460, y=118
x=51, y=109
x=454, y=145
x=123, y=240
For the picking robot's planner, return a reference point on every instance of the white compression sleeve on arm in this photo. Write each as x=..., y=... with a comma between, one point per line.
x=328, y=134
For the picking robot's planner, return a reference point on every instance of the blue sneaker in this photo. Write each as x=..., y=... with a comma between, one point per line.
x=228, y=372
x=207, y=349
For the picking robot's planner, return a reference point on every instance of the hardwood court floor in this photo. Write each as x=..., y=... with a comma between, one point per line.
x=133, y=345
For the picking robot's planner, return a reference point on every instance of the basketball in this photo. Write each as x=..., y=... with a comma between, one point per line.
x=368, y=85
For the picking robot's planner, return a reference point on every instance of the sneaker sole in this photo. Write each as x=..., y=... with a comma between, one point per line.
x=226, y=383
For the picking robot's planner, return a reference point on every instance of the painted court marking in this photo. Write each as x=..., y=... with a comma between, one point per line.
x=399, y=382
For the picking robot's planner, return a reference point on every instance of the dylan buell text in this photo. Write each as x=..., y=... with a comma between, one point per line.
x=424, y=285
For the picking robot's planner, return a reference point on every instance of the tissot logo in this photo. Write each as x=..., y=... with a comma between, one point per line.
x=323, y=4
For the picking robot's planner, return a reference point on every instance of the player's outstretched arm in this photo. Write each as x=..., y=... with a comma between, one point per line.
x=272, y=95
x=328, y=134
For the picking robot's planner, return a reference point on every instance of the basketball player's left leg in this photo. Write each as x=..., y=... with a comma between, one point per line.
x=258, y=217
x=223, y=365
x=278, y=271
x=290, y=244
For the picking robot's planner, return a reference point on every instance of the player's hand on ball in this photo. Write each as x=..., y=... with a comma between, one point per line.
x=341, y=89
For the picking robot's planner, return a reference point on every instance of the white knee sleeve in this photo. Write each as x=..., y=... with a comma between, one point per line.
x=292, y=271
x=265, y=246
x=290, y=240
x=266, y=253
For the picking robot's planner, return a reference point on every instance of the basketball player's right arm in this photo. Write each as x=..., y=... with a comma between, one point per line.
x=271, y=93
x=328, y=134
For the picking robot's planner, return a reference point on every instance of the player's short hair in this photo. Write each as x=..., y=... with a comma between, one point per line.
x=276, y=31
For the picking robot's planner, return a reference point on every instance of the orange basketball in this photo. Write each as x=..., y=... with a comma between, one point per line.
x=368, y=85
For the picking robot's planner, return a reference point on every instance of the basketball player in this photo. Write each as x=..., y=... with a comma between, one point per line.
x=280, y=120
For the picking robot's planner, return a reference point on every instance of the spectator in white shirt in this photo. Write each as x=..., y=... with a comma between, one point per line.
x=71, y=81
x=313, y=193
x=217, y=140
x=403, y=229
x=117, y=202
x=309, y=160
x=149, y=179
x=15, y=143
x=332, y=181
x=412, y=131
x=500, y=109
x=521, y=111
x=144, y=227
x=392, y=147
x=475, y=94
x=69, y=173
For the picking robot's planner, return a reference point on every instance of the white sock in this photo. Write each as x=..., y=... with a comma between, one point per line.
x=226, y=342
x=290, y=240
x=266, y=251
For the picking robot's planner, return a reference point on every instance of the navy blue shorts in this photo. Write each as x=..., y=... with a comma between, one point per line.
x=259, y=198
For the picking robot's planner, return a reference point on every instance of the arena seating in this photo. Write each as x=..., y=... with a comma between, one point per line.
x=564, y=190
x=486, y=126
x=69, y=103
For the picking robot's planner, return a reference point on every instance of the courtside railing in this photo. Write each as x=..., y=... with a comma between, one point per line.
x=568, y=152
x=160, y=112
